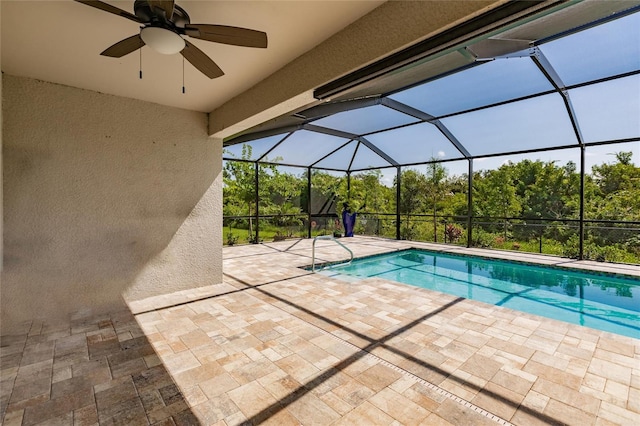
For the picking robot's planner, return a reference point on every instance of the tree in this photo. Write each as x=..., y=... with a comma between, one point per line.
x=495, y=194
x=239, y=192
x=412, y=189
x=436, y=190
x=615, y=195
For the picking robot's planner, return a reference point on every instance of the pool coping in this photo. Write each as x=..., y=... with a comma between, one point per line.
x=577, y=268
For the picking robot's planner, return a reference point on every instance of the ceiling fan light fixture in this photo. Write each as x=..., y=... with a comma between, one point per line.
x=162, y=40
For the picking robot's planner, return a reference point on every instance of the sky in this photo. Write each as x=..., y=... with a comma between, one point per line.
x=607, y=110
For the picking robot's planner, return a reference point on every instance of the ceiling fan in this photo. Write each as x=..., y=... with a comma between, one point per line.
x=164, y=25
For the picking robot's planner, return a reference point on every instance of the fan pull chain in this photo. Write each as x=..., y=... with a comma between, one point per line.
x=183, y=91
x=140, y=63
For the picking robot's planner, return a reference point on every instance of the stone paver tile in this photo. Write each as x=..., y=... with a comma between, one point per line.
x=96, y=371
x=513, y=382
x=277, y=417
x=618, y=415
x=206, y=354
x=530, y=418
x=193, y=376
x=152, y=360
x=616, y=358
x=518, y=351
x=498, y=400
x=27, y=393
x=248, y=371
x=399, y=407
x=594, y=382
x=215, y=410
x=71, y=385
x=167, y=411
x=575, y=351
x=297, y=367
x=318, y=357
x=123, y=391
x=151, y=378
x=458, y=350
x=61, y=374
x=617, y=346
x=424, y=396
x=466, y=389
x=610, y=370
x=365, y=414
x=531, y=409
x=326, y=381
x=578, y=367
x=218, y=385
x=128, y=412
x=634, y=400
x=61, y=420
x=353, y=392
x=127, y=368
x=34, y=372
x=151, y=400
x=252, y=399
x=176, y=363
x=103, y=348
x=553, y=374
x=481, y=366
x=185, y=418
x=403, y=383
x=195, y=338
x=550, y=360
x=457, y=414
x=85, y=416
x=425, y=371
x=13, y=418
x=378, y=377
x=566, y=395
x=435, y=420
x=336, y=403
x=282, y=387
x=57, y=407
x=567, y=414
x=309, y=409
x=619, y=393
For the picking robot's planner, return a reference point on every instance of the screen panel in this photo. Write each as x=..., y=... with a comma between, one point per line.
x=535, y=123
x=492, y=82
x=415, y=144
x=602, y=51
x=366, y=120
x=304, y=148
x=608, y=110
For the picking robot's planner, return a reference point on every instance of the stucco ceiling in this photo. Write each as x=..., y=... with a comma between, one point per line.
x=61, y=41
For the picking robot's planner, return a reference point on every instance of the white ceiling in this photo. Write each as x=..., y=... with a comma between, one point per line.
x=61, y=41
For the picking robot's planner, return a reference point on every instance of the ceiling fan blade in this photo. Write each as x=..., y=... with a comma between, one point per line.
x=124, y=47
x=227, y=35
x=111, y=9
x=201, y=61
x=165, y=5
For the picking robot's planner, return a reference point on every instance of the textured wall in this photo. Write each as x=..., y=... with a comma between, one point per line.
x=104, y=198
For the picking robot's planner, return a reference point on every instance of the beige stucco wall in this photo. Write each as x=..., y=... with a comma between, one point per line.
x=105, y=198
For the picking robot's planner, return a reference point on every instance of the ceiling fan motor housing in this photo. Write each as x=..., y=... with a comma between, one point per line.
x=148, y=14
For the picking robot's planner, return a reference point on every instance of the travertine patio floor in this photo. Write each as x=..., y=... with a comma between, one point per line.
x=275, y=344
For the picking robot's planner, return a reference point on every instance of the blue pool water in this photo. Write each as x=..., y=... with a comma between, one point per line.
x=604, y=302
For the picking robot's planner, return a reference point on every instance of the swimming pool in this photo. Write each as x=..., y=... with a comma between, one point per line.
x=600, y=301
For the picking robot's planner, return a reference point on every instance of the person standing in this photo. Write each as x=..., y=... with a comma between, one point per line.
x=349, y=219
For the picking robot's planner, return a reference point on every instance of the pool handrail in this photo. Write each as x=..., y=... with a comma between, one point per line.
x=327, y=237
